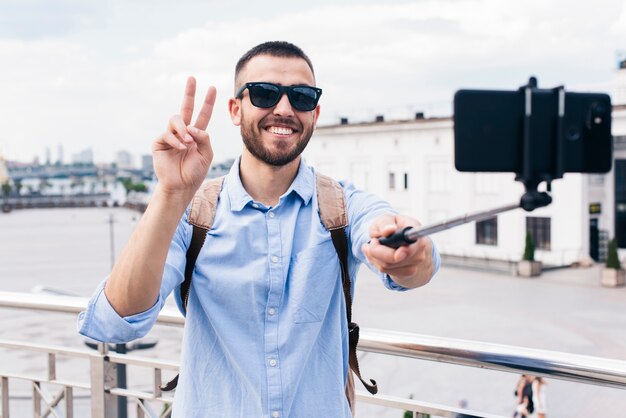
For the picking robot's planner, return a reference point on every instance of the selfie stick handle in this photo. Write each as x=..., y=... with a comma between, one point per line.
x=409, y=234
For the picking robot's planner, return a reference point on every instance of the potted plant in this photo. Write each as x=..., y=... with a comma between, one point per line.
x=6, y=192
x=528, y=267
x=613, y=275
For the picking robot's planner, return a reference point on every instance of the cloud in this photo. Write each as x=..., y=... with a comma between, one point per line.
x=115, y=85
x=36, y=19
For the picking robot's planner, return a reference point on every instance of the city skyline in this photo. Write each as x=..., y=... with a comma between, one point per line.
x=108, y=76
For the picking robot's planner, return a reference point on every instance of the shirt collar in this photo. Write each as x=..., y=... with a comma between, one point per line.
x=302, y=185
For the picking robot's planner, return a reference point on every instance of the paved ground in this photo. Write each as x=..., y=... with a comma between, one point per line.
x=563, y=310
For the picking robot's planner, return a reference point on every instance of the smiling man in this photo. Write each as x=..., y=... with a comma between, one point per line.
x=266, y=333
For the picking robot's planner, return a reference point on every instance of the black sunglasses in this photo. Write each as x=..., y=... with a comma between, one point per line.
x=266, y=95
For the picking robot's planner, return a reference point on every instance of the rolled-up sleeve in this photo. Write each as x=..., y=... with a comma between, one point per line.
x=100, y=321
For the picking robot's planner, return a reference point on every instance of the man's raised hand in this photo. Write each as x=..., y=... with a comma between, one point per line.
x=182, y=154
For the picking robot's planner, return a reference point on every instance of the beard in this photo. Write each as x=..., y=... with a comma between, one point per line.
x=284, y=151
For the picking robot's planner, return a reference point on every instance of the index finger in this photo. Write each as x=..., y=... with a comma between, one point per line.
x=186, y=109
x=202, y=121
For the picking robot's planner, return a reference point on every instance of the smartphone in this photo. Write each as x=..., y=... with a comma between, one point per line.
x=569, y=132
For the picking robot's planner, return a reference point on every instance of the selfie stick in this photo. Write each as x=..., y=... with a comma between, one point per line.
x=409, y=234
x=531, y=200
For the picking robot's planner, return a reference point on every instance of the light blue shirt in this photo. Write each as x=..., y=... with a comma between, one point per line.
x=265, y=331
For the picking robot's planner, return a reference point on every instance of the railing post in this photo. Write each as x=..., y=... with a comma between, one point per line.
x=140, y=410
x=158, y=381
x=69, y=402
x=5, y=397
x=52, y=368
x=103, y=377
x=36, y=400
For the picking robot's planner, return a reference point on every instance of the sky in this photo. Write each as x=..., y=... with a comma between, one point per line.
x=108, y=75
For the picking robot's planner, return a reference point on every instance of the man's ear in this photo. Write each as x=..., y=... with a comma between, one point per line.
x=234, y=109
x=316, y=115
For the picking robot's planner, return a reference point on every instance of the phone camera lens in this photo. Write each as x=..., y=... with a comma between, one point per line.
x=572, y=133
x=598, y=110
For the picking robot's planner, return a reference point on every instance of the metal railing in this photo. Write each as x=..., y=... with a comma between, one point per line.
x=103, y=388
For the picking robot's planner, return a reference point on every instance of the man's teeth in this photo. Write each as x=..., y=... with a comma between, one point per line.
x=280, y=130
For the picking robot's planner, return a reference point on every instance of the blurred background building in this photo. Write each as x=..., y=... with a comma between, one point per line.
x=411, y=164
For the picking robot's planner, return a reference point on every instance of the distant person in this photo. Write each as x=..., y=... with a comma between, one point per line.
x=463, y=405
x=266, y=333
x=524, y=396
x=539, y=396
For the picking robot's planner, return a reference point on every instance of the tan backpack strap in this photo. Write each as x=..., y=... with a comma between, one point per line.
x=204, y=203
x=332, y=208
x=331, y=203
x=201, y=216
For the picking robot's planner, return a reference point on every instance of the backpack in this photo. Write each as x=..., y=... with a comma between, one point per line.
x=333, y=215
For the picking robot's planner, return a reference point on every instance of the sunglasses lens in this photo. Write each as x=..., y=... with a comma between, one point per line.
x=264, y=95
x=303, y=98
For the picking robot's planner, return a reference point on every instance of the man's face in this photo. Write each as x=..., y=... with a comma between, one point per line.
x=276, y=135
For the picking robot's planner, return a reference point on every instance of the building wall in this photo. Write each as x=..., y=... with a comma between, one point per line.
x=367, y=153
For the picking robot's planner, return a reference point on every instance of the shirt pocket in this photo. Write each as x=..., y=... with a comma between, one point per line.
x=314, y=275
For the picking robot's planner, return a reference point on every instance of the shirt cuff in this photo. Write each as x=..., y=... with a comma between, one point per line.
x=392, y=285
x=101, y=323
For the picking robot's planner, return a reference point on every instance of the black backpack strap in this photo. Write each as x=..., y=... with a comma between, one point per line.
x=197, y=241
x=340, y=241
x=201, y=216
x=333, y=215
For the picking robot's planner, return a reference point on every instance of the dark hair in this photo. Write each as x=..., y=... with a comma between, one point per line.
x=276, y=49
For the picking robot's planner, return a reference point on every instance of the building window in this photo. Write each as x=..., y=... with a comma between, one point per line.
x=392, y=181
x=540, y=231
x=487, y=232
x=406, y=181
x=620, y=202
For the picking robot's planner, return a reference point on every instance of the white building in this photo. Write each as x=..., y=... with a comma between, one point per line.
x=410, y=163
x=83, y=157
x=146, y=162
x=124, y=160
x=4, y=171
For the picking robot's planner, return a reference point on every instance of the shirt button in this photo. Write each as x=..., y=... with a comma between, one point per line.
x=274, y=259
x=273, y=362
x=275, y=414
x=271, y=214
x=255, y=205
x=271, y=311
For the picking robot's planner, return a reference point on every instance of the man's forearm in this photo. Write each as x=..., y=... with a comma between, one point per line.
x=135, y=281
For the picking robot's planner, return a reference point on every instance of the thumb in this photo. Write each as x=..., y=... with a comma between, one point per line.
x=201, y=138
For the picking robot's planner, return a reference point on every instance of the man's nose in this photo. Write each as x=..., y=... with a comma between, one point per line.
x=283, y=107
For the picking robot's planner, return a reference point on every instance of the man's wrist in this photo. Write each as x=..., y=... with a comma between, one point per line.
x=176, y=199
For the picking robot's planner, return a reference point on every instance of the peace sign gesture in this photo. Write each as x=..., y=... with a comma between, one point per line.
x=182, y=154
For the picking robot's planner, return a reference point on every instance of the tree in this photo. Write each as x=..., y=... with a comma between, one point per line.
x=529, y=248
x=133, y=187
x=140, y=187
x=612, y=260
x=6, y=189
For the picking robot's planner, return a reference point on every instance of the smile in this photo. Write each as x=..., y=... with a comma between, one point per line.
x=280, y=130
